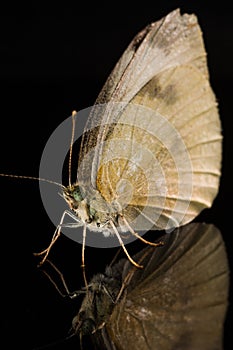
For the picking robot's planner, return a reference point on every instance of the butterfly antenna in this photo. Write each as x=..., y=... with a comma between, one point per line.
x=32, y=178
x=71, y=145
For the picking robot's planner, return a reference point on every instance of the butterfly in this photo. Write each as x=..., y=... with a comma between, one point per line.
x=150, y=155
x=178, y=301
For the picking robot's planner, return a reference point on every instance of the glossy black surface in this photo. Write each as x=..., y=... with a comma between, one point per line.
x=52, y=61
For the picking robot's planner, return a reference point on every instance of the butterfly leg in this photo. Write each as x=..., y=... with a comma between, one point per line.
x=123, y=246
x=46, y=251
x=129, y=276
x=67, y=293
x=131, y=230
x=61, y=278
x=99, y=327
x=56, y=235
x=83, y=257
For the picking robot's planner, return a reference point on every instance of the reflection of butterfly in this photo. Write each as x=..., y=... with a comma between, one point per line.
x=178, y=301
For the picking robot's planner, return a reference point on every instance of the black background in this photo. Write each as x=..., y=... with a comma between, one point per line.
x=54, y=59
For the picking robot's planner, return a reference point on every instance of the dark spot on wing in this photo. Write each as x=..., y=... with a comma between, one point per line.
x=156, y=88
x=168, y=94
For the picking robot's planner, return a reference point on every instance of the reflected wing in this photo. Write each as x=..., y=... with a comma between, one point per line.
x=152, y=143
x=179, y=300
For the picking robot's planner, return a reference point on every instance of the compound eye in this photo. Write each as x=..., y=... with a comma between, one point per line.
x=88, y=326
x=77, y=194
x=83, y=325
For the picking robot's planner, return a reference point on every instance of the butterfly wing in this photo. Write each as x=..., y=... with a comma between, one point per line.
x=179, y=300
x=162, y=161
x=155, y=147
x=173, y=40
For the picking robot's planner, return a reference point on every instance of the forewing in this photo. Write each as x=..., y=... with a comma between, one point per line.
x=172, y=41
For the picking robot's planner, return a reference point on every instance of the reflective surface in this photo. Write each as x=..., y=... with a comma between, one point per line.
x=178, y=301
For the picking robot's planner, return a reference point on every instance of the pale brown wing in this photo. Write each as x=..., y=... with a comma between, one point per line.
x=172, y=41
x=179, y=300
x=162, y=160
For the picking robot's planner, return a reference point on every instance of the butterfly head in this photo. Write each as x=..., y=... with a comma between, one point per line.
x=97, y=304
x=83, y=324
x=75, y=196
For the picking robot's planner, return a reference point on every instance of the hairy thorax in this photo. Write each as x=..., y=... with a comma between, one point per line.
x=92, y=209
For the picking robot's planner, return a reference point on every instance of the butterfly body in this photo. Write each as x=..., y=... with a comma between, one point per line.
x=151, y=149
x=92, y=209
x=104, y=289
x=150, y=155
